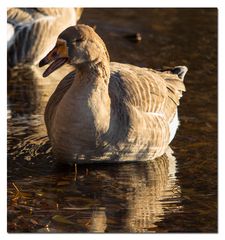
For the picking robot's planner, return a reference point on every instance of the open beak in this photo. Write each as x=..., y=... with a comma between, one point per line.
x=57, y=57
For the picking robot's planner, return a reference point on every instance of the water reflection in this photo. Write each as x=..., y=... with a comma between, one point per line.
x=100, y=198
x=28, y=92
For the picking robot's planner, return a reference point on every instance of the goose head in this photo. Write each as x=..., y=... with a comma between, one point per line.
x=78, y=46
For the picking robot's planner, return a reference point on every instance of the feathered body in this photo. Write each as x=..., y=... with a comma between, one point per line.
x=114, y=112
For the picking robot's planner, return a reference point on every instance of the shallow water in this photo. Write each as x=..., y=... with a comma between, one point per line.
x=175, y=193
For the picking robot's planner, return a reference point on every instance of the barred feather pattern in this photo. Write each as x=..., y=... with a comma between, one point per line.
x=143, y=104
x=151, y=99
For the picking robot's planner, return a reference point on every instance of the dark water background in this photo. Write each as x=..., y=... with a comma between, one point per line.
x=172, y=194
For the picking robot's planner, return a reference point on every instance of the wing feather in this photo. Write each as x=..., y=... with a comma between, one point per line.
x=153, y=98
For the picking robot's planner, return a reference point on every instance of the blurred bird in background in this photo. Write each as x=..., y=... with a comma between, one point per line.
x=32, y=32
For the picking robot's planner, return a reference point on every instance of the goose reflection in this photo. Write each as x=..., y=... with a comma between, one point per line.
x=152, y=188
x=131, y=197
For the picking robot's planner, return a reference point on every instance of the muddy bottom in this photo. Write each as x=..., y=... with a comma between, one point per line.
x=175, y=193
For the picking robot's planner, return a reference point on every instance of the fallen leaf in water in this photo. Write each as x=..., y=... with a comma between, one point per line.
x=39, y=193
x=48, y=195
x=62, y=183
x=24, y=207
x=19, y=194
x=33, y=221
x=61, y=219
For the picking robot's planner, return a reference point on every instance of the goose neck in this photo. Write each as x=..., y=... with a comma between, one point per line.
x=94, y=72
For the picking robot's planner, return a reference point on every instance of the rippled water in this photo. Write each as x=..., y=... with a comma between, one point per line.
x=175, y=193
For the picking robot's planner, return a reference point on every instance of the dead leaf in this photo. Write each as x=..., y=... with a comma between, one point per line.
x=61, y=219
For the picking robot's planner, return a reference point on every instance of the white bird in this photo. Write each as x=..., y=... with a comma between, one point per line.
x=32, y=32
x=106, y=111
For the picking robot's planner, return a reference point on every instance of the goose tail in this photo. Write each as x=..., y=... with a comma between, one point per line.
x=180, y=71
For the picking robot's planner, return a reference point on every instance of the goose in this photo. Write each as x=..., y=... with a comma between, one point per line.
x=31, y=32
x=106, y=111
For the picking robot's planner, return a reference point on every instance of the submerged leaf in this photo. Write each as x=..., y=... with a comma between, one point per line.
x=61, y=219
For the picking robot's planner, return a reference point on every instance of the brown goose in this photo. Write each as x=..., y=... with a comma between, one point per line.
x=32, y=31
x=108, y=111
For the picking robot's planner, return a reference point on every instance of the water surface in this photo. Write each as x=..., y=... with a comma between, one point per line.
x=175, y=193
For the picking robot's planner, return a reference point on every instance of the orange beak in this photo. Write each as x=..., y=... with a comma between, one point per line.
x=57, y=57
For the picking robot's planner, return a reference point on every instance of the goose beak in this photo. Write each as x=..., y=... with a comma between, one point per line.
x=57, y=57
